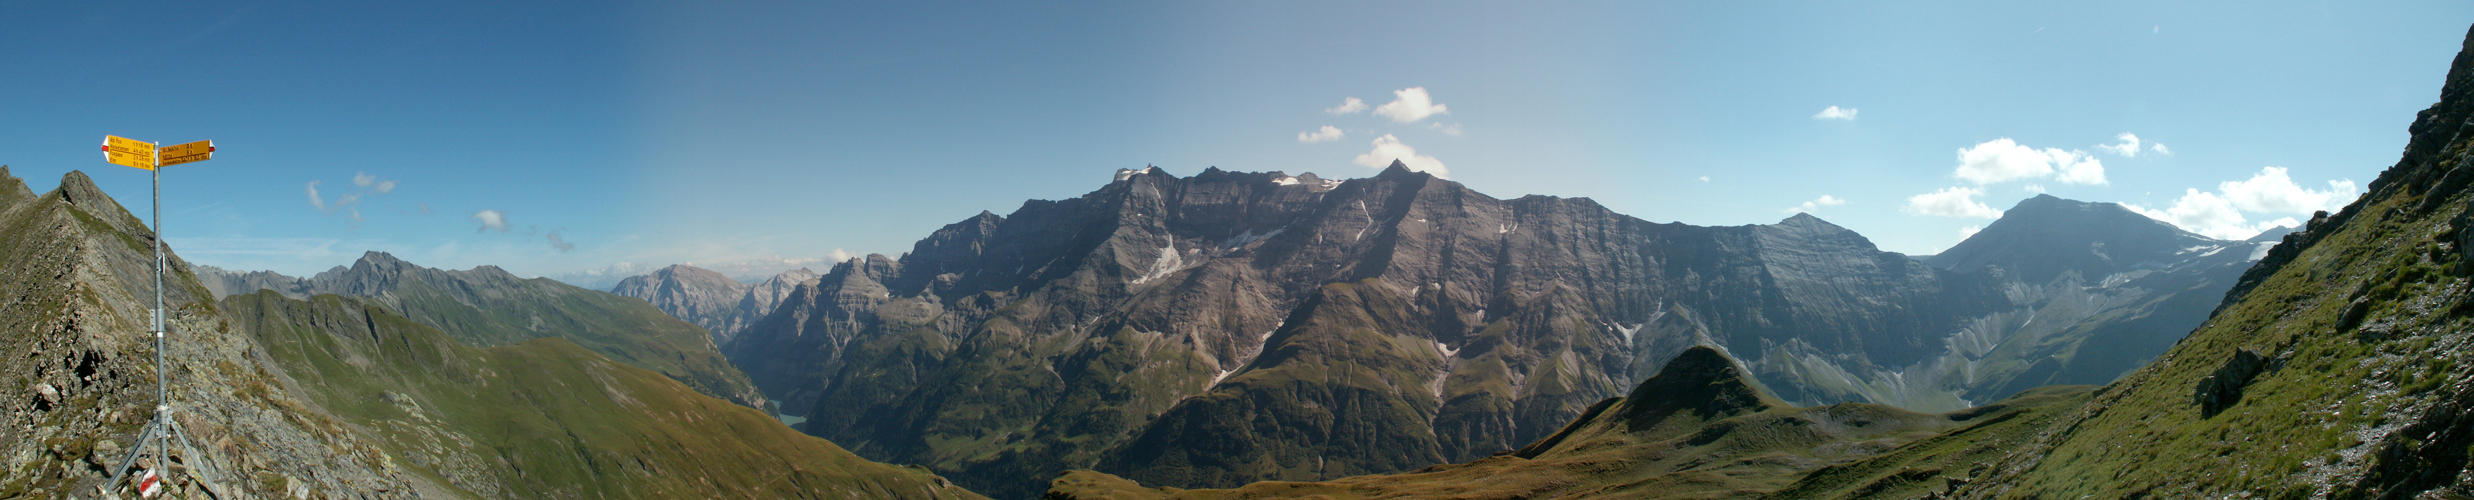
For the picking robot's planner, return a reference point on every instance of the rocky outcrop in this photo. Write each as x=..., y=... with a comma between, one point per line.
x=2224, y=388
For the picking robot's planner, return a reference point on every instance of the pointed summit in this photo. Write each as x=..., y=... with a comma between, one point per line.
x=1396, y=169
x=1702, y=381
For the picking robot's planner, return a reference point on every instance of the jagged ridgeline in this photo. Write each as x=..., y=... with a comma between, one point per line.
x=339, y=397
x=487, y=306
x=1225, y=328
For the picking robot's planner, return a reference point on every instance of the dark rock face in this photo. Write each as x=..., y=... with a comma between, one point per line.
x=1233, y=327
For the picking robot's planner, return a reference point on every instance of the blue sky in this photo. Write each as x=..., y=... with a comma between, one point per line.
x=756, y=136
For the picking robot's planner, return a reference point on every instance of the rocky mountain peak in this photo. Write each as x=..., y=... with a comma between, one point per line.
x=80, y=191
x=1398, y=170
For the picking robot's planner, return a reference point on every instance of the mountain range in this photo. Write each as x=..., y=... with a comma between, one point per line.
x=487, y=306
x=2333, y=368
x=1229, y=327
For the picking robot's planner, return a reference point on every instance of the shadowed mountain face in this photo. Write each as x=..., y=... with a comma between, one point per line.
x=1698, y=429
x=1232, y=327
x=487, y=306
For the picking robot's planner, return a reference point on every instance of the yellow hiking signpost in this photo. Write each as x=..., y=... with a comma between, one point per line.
x=131, y=152
x=184, y=153
x=140, y=154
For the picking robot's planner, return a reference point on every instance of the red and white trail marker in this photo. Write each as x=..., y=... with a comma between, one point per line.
x=150, y=485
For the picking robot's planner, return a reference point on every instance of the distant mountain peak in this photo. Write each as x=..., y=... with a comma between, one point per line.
x=1804, y=219
x=1397, y=169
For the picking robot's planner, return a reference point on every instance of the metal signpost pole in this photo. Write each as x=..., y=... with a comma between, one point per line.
x=163, y=429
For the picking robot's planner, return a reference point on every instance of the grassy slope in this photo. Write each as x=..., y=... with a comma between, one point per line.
x=1677, y=436
x=1941, y=462
x=547, y=418
x=626, y=329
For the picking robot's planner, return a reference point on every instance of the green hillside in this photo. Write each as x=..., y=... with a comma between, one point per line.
x=546, y=418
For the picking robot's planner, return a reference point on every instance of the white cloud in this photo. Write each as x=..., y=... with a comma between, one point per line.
x=1969, y=232
x=2204, y=213
x=2159, y=148
x=314, y=200
x=559, y=243
x=1352, y=105
x=1410, y=105
x=2076, y=167
x=381, y=186
x=1816, y=204
x=2129, y=145
x=1833, y=113
x=1954, y=201
x=840, y=255
x=1704, y=178
x=2220, y=214
x=2273, y=192
x=2002, y=160
x=1452, y=130
x=1327, y=134
x=1388, y=148
x=491, y=219
x=2034, y=188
